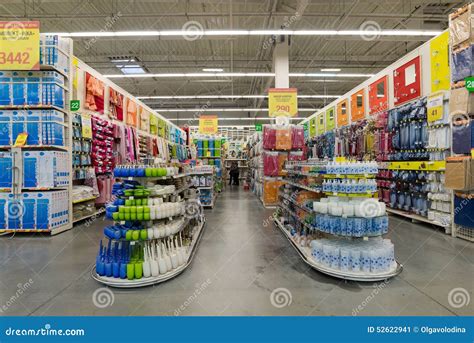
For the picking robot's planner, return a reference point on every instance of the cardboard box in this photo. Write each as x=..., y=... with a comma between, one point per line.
x=460, y=173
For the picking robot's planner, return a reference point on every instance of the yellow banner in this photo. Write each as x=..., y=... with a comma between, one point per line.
x=208, y=124
x=19, y=45
x=282, y=102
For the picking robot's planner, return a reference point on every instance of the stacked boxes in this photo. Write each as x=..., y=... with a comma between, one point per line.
x=54, y=52
x=34, y=210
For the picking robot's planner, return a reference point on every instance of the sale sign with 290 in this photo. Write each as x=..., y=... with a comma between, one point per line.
x=282, y=102
x=19, y=45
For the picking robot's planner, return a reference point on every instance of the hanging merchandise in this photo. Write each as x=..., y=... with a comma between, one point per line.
x=94, y=94
x=115, y=105
x=102, y=145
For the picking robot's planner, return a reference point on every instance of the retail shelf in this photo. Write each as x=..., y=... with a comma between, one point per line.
x=96, y=213
x=33, y=107
x=303, y=187
x=37, y=147
x=204, y=187
x=182, y=226
x=349, y=176
x=302, y=207
x=294, y=215
x=25, y=231
x=305, y=254
x=202, y=173
x=60, y=229
x=83, y=200
x=53, y=68
x=354, y=195
x=416, y=217
x=270, y=207
x=29, y=189
x=143, y=282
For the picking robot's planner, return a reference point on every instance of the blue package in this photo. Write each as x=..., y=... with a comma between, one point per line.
x=18, y=90
x=5, y=88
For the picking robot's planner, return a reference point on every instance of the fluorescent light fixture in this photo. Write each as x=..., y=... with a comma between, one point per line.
x=213, y=69
x=231, y=97
x=185, y=33
x=191, y=75
x=207, y=110
x=228, y=119
x=331, y=69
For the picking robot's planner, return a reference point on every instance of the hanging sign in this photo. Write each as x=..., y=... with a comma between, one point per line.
x=434, y=108
x=282, y=102
x=208, y=124
x=86, y=124
x=74, y=105
x=330, y=119
x=19, y=45
x=258, y=127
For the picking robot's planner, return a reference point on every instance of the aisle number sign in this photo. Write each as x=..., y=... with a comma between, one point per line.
x=470, y=83
x=208, y=124
x=282, y=102
x=258, y=127
x=19, y=45
x=435, y=108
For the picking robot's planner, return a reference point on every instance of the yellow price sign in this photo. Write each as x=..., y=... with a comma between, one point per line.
x=282, y=102
x=21, y=140
x=208, y=124
x=435, y=108
x=86, y=124
x=19, y=45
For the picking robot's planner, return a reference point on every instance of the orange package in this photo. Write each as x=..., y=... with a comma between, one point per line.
x=270, y=191
x=283, y=139
x=132, y=113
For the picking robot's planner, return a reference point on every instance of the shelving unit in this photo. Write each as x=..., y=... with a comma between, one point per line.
x=23, y=207
x=203, y=179
x=297, y=219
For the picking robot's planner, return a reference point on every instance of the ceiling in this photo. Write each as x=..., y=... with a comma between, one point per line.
x=238, y=53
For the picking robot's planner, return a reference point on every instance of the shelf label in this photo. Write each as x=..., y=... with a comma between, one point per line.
x=21, y=140
x=435, y=108
x=282, y=102
x=19, y=45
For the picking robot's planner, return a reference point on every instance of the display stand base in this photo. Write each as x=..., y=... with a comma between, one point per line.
x=143, y=282
x=417, y=218
x=305, y=254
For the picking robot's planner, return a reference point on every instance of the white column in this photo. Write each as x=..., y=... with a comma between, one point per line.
x=281, y=63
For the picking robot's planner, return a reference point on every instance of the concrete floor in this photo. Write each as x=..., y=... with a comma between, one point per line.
x=242, y=261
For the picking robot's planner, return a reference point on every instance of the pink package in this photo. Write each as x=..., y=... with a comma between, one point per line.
x=270, y=163
x=269, y=137
x=297, y=137
x=296, y=156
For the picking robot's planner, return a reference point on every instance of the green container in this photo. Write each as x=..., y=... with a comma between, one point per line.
x=128, y=235
x=133, y=209
x=126, y=209
x=130, y=271
x=122, y=216
x=146, y=209
x=135, y=235
x=122, y=209
x=140, y=216
x=146, y=216
x=116, y=216
x=139, y=209
x=128, y=216
x=143, y=234
x=133, y=216
x=138, y=270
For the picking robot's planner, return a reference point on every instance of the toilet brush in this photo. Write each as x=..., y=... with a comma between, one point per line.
x=150, y=232
x=155, y=269
x=167, y=258
x=173, y=255
x=162, y=230
x=146, y=262
x=161, y=260
x=156, y=231
x=168, y=229
x=178, y=251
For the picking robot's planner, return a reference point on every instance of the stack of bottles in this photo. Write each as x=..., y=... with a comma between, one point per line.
x=134, y=231
x=208, y=147
x=360, y=186
x=374, y=256
x=352, y=167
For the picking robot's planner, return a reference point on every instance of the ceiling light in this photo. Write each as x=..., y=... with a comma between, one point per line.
x=213, y=69
x=227, y=119
x=231, y=97
x=331, y=69
x=207, y=110
x=187, y=75
x=184, y=33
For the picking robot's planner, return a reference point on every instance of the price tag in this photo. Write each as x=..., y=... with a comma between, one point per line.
x=21, y=140
x=435, y=108
x=282, y=102
x=19, y=45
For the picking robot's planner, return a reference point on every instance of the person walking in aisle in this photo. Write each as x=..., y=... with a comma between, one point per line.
x=234, y=174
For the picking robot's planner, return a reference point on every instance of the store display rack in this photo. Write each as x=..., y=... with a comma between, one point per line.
x=134, y=245
x=203, y=180
x=299, y=224
x=55, y=78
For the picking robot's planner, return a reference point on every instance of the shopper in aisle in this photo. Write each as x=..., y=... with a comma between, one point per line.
x=234, y=174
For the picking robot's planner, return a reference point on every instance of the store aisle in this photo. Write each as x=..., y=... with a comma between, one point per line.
x=242, y=259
